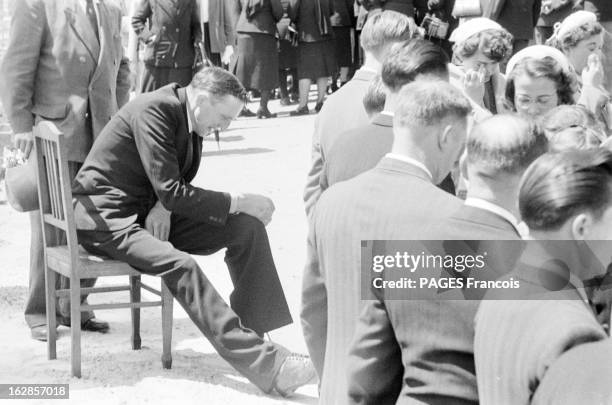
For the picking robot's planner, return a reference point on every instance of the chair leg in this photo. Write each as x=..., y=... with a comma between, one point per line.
x=135, y=297
x=167, y=301
x=50, y=279
x=75, y=326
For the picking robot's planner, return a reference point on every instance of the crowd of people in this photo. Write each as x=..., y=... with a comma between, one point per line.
x=449, y=129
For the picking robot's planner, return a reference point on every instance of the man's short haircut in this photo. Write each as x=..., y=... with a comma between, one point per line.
x=409, y=59
x=218, y=83
x=504, y=144
x=383, y=28
x=375, y=97
x=558, y=186
x=425, y=103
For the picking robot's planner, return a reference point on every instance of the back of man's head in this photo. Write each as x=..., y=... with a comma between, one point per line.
x=217, y=83
x=408, y=60
x=374, y=99
x=428, y=103
x=503, y=145
x=382, y=29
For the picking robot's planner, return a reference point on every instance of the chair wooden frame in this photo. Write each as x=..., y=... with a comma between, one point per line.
x=56, y=213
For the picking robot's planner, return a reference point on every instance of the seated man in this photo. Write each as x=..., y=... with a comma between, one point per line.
x=133, y=193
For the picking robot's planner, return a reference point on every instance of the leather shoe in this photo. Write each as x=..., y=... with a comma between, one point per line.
x=300, y=111
x=95, y=325
x=39, y=333
x=246, y=113
x=296, y=370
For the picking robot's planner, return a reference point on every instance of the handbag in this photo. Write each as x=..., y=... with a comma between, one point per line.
x=467, y=8
x=20, y=182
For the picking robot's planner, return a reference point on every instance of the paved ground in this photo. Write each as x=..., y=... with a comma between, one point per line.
x=267, y=156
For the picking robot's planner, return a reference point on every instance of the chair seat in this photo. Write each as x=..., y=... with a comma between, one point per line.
x=90, y=265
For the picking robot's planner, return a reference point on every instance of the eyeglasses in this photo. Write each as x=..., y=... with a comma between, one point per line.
x=526, y=101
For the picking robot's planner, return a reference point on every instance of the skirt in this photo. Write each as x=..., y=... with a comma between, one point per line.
x=344, y=53
x=316, y=59
x=256, y=64
x=287, y=55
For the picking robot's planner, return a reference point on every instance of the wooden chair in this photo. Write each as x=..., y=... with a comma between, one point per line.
x=72, y=261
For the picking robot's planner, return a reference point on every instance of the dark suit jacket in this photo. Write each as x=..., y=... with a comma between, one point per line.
x=345, y=10
x=401, y=6
x=145, y=154
x=55, y=69
x=394, y=200
x=303, y=14
x=519, y=17
x=603, y=9
x=263, y=21
x=176, y=26
x=408, y=351
x=341, y=112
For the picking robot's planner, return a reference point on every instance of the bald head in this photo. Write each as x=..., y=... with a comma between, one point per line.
x=503, y=144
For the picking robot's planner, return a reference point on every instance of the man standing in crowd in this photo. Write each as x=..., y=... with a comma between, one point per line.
x=437, y=357
x=344, y=110
x=397, y=199
x=170, y=31
x=135, y=203
x=217, y=17
x=361, y=148
x=64, y=63
x=498, y=152
x=519, y=17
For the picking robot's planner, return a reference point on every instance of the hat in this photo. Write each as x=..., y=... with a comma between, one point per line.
x=539, y=52
x=573, y=21
x=473, y=27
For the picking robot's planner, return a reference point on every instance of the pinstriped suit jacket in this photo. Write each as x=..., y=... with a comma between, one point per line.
x=395, y=200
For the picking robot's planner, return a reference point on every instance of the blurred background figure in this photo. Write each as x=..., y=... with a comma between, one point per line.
x=552, y=12
x=603, y=9
x=316, y=53
x=287, y=58
x=343, y=21
x=218, y=21
x=170, y=31
x=519, y=17
x=256, y=61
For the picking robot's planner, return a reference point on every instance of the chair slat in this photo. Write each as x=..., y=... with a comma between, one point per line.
x=51, y=220
x=120, y=305
x=48, y=171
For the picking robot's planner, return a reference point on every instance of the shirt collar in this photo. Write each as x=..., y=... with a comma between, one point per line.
x=520, y=227
x=389, y=113
x=411, y=161
x=189, y=123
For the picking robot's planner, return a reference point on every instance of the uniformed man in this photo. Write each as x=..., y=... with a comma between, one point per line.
x=171, y=32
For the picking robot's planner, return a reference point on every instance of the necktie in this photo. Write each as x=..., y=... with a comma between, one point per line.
x=91, y=14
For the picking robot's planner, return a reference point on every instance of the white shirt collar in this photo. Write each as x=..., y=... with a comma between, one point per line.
x=520, y=227
x=389, y=113
x=411, y=161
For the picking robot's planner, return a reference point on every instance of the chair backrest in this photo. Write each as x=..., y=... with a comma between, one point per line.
x=54, y=189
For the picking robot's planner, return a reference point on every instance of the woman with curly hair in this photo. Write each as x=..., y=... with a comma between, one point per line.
x=539, y=78
x=480, y=45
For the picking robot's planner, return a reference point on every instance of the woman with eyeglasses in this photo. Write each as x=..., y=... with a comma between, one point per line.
x=538, y=79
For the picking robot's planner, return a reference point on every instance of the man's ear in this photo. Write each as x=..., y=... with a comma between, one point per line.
x=444, y=136
x=581, y=225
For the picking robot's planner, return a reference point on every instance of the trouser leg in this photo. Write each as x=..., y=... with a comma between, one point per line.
x=258, y=296
x=241, y=347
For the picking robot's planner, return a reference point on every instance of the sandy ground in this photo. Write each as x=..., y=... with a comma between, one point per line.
x=267, y=156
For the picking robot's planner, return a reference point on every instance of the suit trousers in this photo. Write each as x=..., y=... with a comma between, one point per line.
x=35, y=312
x=258, y=303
